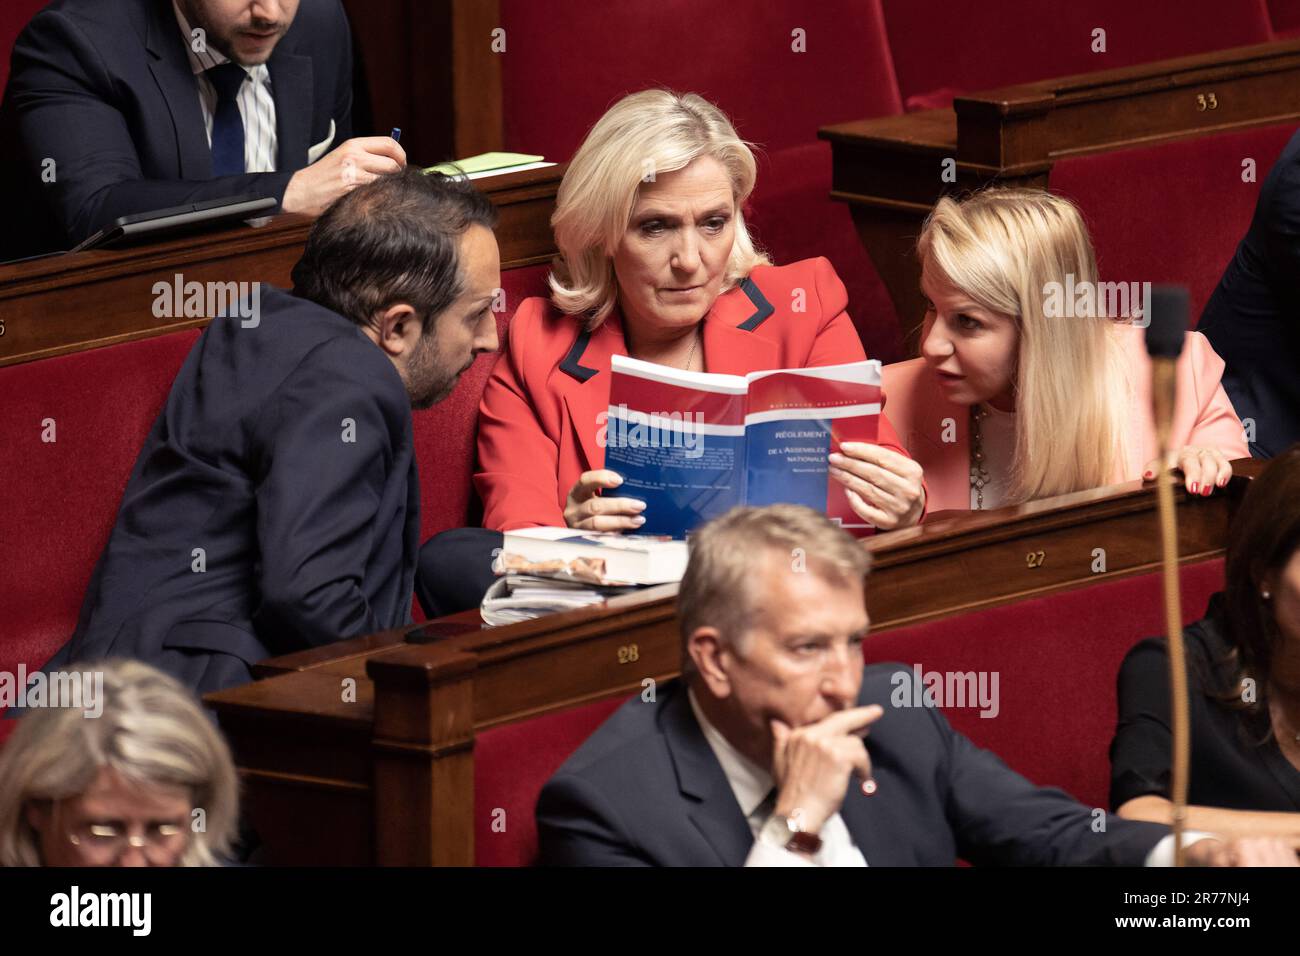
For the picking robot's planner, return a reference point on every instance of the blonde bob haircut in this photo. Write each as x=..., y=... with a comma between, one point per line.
x=151, y=731
x=1001, y=247
x=717, y=588
x=643, y=134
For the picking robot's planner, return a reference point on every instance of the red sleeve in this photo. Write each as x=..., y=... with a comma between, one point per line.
x=518, y=460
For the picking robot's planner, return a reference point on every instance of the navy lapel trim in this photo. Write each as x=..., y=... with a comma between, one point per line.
x=763, y=308
x=572, y=363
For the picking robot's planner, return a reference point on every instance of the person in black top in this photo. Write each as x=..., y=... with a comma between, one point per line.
x=1252, y=317
x=1243, y=663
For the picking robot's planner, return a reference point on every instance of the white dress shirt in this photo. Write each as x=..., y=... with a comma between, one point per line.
x=256, y=104
x=751, y=784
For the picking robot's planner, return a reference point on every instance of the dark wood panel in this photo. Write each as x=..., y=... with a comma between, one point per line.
x=427, y=66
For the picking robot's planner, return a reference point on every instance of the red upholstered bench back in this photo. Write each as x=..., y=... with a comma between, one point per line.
x=1173, y=212
x=564, y=67
x=567, y=61
x=945, y=46
x=61, y=496
x=511, y=763
x=1057, y=659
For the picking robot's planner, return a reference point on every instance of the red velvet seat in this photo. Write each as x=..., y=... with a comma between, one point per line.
x=1057, y=658
x=944, y=46
x=739, y=57
x=1187, y=229
x=61, y=497
x=511, y=763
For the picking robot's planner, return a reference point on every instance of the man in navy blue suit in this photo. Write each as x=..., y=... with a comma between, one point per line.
x=1253, y=317
x=756, y=757
x=275, y=505
x=117, y=107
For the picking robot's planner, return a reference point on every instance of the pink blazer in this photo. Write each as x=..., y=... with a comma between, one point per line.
x=1203, y=416
x=538, y=418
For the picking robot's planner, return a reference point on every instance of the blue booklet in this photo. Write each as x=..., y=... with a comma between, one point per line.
x=693, y=445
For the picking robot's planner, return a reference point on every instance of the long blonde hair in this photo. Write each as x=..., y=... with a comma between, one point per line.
x=1002, y=247
x=151, y=731
x=654, y=131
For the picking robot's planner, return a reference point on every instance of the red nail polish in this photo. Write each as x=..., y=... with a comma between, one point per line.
x=1196, y=487
x=1206, y=490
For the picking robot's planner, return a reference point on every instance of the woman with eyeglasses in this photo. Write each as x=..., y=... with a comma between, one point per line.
x=143, y=780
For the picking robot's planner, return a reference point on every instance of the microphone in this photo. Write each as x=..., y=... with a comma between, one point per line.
x=1168, y=307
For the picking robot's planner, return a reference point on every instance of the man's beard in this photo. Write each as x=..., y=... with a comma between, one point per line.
x=225, y=43
x=428, y=378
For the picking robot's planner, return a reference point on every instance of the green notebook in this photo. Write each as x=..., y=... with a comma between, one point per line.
x=484, y=162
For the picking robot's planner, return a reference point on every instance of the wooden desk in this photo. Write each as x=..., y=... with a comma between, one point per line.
x=371, y=740
x=890, y=170
x=60, y=304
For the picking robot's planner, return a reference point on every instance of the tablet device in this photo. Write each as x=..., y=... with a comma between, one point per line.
x=191, y=217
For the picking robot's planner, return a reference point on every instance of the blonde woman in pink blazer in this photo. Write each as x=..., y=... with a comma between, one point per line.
x=1013, y=400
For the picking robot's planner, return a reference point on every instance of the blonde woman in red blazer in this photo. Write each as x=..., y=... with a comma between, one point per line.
x=1013, y=400
x=655, y=263
x=661, y=268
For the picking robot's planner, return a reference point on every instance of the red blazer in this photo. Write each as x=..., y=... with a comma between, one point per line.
x=538, y=417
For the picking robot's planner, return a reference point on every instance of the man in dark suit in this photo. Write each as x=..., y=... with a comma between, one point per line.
x=1253, y=317
x=116, y=107
x=750, y=759
x=275, y=505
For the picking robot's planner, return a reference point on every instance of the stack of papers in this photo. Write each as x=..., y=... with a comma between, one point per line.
x=522, y=597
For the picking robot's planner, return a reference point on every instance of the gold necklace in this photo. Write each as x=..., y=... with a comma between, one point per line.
x=690, y=356
x=690, y=359
x=979, y=476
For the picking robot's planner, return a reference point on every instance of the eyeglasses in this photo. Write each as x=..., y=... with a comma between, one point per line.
x=108, y=841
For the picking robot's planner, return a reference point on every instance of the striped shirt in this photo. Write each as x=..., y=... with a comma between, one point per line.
x=256, y=104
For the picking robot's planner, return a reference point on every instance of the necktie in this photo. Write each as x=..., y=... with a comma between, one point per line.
x=227, y=124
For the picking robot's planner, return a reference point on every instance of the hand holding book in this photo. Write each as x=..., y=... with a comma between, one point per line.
x=882, y=486
x=588, y=509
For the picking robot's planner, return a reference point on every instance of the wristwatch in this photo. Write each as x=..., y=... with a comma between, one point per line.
x=788, y=833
